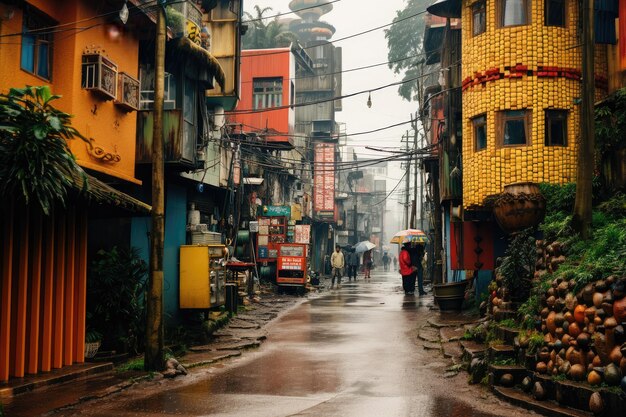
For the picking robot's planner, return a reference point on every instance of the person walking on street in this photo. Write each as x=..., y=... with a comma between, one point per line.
x=420, y=269
x=395, y=263
x=367, y=263
x=337, y=262
x=386, y=262
x=407, y=270
x=353, y=264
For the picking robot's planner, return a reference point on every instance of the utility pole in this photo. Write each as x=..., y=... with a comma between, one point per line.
x=407, y=177
x=582, y=205
x=421, y=190
x=355, y=215
x=414, y=205
x=154, y=359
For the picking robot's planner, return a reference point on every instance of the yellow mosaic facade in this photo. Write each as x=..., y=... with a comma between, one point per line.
x=532, y=67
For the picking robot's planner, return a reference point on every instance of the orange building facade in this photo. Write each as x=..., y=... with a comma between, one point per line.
x=109, y=124
x=267, y=82
x=84, y=53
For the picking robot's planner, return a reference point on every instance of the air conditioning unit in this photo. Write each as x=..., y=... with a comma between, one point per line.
x=127, y=92
x=99, y=74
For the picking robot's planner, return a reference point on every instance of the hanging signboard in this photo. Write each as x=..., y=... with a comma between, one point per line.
x=324, y=181
x=303, y=233
x=275, y=211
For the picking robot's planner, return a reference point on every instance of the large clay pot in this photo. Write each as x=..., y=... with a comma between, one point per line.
x=450, y=296
x=521, y=205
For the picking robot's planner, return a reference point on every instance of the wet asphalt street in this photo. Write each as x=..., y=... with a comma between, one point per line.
x=346, y=352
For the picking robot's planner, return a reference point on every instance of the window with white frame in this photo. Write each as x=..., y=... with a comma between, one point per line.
x=267, y=92
x=36, y=54
x=146, y=97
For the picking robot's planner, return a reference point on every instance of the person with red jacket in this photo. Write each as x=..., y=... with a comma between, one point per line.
x=408, y=271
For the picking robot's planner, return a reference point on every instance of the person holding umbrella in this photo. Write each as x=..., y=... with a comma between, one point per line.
x=407, y=270
x=367, y=264
x=353, y=264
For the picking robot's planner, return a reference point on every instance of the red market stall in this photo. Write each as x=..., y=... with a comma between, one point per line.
x=292, y=265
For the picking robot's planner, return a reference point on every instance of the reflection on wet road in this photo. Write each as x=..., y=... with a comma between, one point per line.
x=349, y=352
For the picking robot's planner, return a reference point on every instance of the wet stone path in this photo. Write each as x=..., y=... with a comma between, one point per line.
x=362, y=350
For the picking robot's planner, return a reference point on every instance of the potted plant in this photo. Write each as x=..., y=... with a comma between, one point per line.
x=176, y=21
x=93, y=339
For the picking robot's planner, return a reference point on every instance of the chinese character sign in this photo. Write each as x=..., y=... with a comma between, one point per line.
x=324, y=182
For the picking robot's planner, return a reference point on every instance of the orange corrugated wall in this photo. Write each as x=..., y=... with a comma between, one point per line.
x=42, y=291
x=622, y=33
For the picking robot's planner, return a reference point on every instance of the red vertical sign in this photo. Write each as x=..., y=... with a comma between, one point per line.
x=622, y=34
x=324, y=181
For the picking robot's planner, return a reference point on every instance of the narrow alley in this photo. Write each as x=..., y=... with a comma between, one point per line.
x=348, y=352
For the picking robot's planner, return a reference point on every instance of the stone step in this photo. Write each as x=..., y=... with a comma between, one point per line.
x=472, y=350
x=496, y=371
x=505, y=314
x=576, y=395
x=547, y=408
x=498, y=352
x=507, y=334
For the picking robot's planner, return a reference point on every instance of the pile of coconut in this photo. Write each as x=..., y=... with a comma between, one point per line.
x=584, y=332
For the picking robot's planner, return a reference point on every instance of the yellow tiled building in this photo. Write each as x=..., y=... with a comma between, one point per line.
x=521, y=70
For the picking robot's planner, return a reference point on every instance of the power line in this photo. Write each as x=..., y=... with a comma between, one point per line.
x=286, y=13
x=321, y=101
x=392, y=191
x=142, y=8
x=349, y=36
x=358, y=68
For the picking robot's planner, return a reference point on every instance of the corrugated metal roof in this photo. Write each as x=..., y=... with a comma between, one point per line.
x=95, y=190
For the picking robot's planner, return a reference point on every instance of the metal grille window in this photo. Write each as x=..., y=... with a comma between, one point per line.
x=513, y=127
x=480, y=132
x=555, y=12
x=556, y=128
x=268, y=92
x=36, y=55
x=479, y=18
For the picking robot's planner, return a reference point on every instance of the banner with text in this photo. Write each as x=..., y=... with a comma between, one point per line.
x=324, y=181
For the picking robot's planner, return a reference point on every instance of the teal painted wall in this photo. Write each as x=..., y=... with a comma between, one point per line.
x=175, y=236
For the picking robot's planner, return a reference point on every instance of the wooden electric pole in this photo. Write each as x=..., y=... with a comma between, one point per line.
x=154, y=358
x=586, y=151
x=407, y=182
x=414, y=158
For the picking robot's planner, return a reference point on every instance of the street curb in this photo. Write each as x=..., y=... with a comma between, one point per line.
x=131, y=382
x=197, y=364
x=53, y=379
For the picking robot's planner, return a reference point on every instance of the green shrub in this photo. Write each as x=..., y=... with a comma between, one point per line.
x=615, y=207
x=132, y=365
x=518, y=265
x=559, y=198
x=535, y=342
x=116, y=292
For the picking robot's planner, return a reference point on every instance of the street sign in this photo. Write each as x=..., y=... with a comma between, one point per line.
x=275, y=211
x=254, y=227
